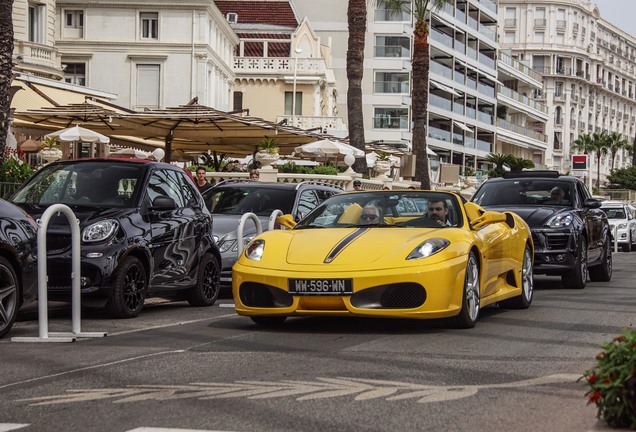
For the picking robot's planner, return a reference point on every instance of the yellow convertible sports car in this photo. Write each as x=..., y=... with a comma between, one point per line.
x=402, y=254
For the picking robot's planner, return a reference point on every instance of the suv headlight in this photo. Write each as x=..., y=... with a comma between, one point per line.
x=99, y=231
x=621, y=226
x=561, y=220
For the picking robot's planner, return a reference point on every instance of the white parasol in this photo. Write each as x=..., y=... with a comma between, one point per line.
x=78, y=133
x=327, y=147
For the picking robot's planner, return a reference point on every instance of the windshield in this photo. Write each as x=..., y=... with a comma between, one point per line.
x=614, y=213
x=261, y=201
x=381, y=209
x=524, y=192
x=93, y=184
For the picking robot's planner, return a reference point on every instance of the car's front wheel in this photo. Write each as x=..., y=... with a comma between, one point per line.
x=471, y=295
x=603, y=271
x=206, y=290
x=524, y=300
x=9, y=296
x=577, y=278
x=129, y=290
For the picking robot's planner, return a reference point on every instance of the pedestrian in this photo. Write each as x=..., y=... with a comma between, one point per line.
x=202, y=183
x=357, y=185
x=255, y=175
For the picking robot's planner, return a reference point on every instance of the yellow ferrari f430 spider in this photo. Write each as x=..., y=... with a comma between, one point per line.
x=402, y=254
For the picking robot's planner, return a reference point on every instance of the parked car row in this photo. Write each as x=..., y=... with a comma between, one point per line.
x=146, y=231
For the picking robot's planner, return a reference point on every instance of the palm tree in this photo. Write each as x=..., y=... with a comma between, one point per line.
x=6, y=65
x=357, y=22
x=615, y=143
x=498, y=160
x=419, y=77
x=517, y=164
x=584, y=143
x=601, y=147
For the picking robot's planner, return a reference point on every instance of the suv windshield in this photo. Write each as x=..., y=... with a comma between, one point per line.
x=524, y=192
x=614, y=213
x=85, y=183
x=261, y=201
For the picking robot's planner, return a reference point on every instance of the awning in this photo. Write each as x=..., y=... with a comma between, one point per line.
x=444, y=88
x=462, y=126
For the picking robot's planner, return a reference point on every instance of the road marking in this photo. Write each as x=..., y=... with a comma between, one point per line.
x=227, y=305
x=322, y=388
x=151, y=429
x=5, y=427
x=173, y=324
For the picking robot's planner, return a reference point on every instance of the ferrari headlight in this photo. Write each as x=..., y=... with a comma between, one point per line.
x=622, y=226
x=254, y=250
x=99, y=231
x=428, y=248
x=560, y=220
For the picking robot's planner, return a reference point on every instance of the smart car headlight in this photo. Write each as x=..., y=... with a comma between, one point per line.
x=99, y=231
x=428, y=248
x=561, y=220
x=254, y=250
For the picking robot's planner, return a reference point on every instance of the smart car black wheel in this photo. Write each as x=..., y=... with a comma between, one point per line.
x=603, y=271
x=129, y=290
x=9, y=296
x=206, y=290
x=471, y=296
x=269, y=320
x=524, y=300
x=577, y=278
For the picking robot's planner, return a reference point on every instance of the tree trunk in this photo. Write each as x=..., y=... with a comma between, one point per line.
x=357, y=22
x=419, y=102
x=6, y=65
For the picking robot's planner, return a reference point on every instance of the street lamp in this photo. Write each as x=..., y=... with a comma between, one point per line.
x=297, y=51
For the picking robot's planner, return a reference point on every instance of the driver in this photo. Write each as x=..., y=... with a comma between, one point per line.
x=370, y=215
x=437, y=209
x=556, y=194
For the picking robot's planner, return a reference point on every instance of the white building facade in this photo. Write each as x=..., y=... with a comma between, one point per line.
x=152, y=54
x=588, y=67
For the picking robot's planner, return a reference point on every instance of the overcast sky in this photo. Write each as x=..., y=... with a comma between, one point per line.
x=621, y=13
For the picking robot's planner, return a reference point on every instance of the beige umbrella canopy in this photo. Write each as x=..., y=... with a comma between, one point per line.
x=31, y=146
x=190, y=127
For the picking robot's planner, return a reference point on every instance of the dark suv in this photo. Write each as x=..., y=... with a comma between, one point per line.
x=570, y=232
x=144, y=231
x=229, y=200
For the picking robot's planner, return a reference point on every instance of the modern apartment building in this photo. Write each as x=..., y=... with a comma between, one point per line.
x=151, y=54
x=588, y=68
x=469, y=81
x=280, y=55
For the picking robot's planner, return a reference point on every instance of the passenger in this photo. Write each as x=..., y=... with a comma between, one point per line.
x=556, y=195
x=370, y=216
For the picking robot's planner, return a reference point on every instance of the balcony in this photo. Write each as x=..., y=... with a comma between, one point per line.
x=279, y=65
x=561, y=25
x=540, y=22
x=510, y=22
x=315, y=122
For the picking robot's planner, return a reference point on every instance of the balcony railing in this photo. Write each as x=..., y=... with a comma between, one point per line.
x=510, y=22
x=279, y=65
x=391, y=87
x=523, y=99
x=314, y=122
x=521, y=130
x=505, y=58
x=540, y=22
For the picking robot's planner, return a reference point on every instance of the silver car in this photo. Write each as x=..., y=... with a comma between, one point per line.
x=622, y=223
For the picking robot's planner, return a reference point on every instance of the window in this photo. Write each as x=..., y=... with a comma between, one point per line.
x=509, y=37
x=166, y=183
x=74, y=19
x=238, y=101
x=382, y=14
x=511, y=17
x=392, y=46
x=289, y=103
x=148, y=85
x=36, y=26
x=232, y=17
x=391, y=118
x=539, y=17
x=539, y=37
x=149, y=25
x=75, y=73
x=560, y=38
x=391, y=82
x=558, y=88
x=558, y=116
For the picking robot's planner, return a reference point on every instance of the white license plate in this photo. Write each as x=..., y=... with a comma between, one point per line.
x=320, y=286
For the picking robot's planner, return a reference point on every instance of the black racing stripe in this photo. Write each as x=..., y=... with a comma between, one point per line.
x=344, y=243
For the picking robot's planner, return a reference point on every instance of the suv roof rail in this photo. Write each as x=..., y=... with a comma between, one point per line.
x=532, y=173
x=235, y=180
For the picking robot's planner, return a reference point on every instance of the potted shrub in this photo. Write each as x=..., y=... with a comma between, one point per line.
x=267, y=151
x=52, y=150
x=382, y=163
x=612, y=382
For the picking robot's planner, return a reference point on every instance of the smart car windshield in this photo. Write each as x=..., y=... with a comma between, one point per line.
x=524, y=192
x=386, y=209
x=92, y=184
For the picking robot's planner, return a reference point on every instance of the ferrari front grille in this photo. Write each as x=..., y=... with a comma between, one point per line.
x=394, y=296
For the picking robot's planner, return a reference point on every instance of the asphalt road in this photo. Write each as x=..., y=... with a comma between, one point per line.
x=185, y=368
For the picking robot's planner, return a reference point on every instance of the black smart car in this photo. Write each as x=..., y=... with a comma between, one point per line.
x=571, y=234
x=144, y=228
x=18, y=267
